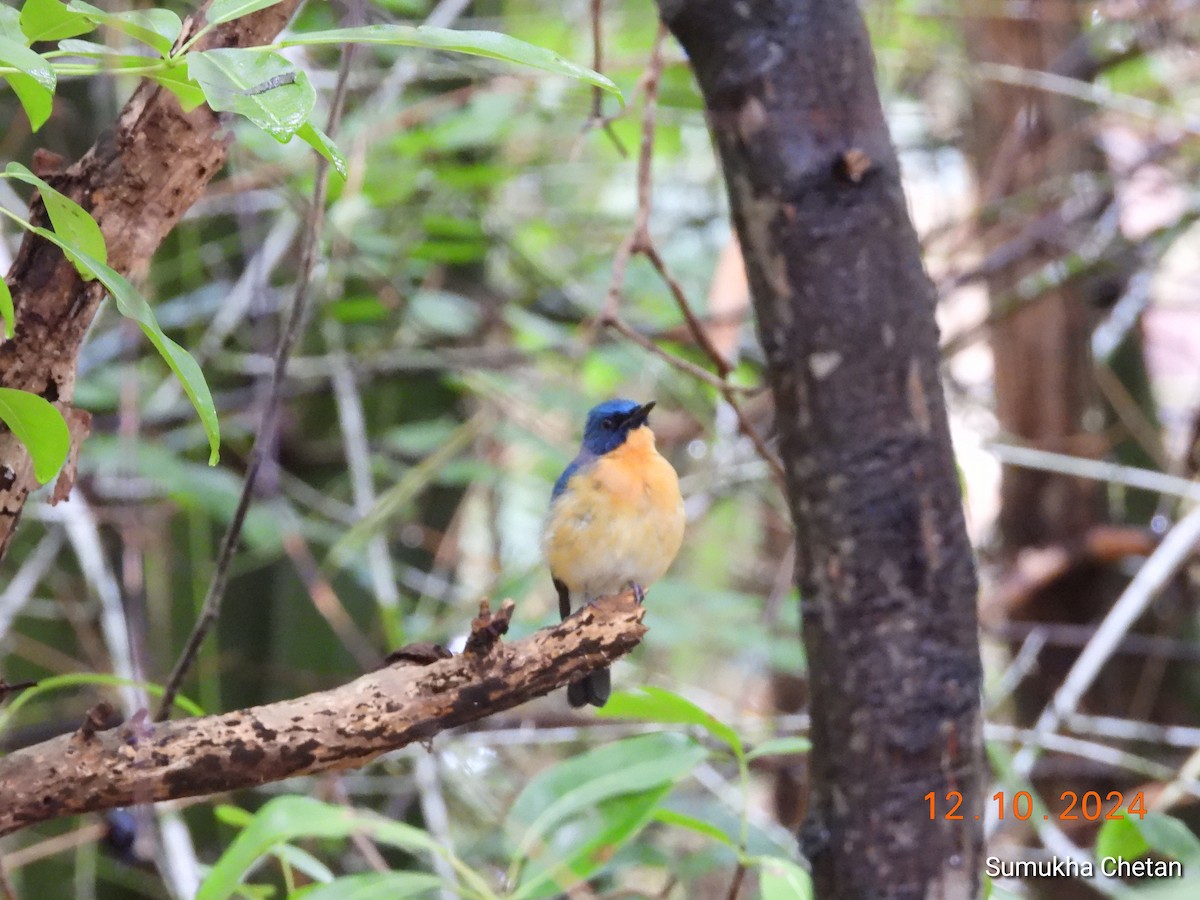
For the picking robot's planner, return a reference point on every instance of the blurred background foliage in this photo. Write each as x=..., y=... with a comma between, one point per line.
x=1051, y=161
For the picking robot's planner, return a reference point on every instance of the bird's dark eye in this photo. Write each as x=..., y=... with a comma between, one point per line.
x=609, y=424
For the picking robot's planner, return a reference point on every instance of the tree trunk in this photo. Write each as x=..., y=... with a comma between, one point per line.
x=1032, y=142
x=846, y=318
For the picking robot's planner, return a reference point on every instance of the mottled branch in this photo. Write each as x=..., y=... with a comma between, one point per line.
x=411, y=699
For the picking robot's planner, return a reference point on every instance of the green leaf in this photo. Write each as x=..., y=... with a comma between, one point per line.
x=290, y=817
x=40, y=427
x=228, y=814
x=575, y=853
x=175, y=79
x=653, y=704
x=374, y=886
x=96, y=51
x=157, y=28
x=57, y=683
x=228, y=10
x=33, y=84
x=783, y=746
x=1168, y=836
x=682, y=820
x=7, y=313
x=782, y=879
x=21, y=57
x=1121, y=837
x=262, y=86
x=323, y=144
x=51, y=20
x=36, y=100
x=476, y=43
x=1131, y=838
x=577, y=785
x=70, y=220
x=10, y=25
x=133, y=305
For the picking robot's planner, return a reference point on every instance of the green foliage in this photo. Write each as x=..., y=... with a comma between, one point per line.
x=84, y=679
x=8, y=315
x=80, y=239
x=40, y=427
x=570, y=818
x=374, y=886
x=782, y=879
x=71, y=222
x=288, y=818
x=262, y=86
x=1132, y=837
x=569, y=823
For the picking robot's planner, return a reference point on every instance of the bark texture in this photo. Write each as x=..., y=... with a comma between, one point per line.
x=411, y=699
x=846, y=318
x=137, y=180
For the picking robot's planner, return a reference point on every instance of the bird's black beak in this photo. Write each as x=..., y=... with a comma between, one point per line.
x=639, y=416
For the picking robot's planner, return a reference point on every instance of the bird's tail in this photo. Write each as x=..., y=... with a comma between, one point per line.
x=593, y=688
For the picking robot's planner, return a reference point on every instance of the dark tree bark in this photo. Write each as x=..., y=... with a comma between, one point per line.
x=137, y=180
x=846, y=317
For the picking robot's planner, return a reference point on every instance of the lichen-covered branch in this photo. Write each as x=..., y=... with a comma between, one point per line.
x=413, y=698
x=137, y=180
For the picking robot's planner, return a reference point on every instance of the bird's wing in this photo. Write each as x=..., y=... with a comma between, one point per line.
x=584, y=458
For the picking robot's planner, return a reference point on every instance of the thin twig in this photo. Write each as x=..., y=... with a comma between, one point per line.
x=1095, y=470
x=639, y=235
x=639, y=242
x=1155, y=572
x=287, y=342
x=650, y=251
x=683, y=365
x=735, y=887
x=597, y=119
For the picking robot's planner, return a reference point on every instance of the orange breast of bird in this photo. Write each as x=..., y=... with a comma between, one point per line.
x=620, y=520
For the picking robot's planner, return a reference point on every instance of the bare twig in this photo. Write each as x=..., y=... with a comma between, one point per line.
x=688, y=367
x=639, y=242
x=1176, y=547
x=287, y=342
x=11, y=687
x=735, y=887
x=597, y=119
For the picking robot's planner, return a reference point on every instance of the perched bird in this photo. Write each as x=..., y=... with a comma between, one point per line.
x=616, y=520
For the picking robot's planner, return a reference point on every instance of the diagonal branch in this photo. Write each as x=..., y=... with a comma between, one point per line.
x=414, y=698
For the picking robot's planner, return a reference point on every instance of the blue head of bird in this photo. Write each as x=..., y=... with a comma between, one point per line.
x=610, y=423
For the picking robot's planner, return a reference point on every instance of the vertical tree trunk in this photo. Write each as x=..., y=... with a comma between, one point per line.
x=1033, y=142
x=846, y=317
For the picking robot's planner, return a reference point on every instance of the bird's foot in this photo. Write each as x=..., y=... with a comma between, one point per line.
x=639, y=592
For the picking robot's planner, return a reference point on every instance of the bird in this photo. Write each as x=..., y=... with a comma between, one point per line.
x=616, y=520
